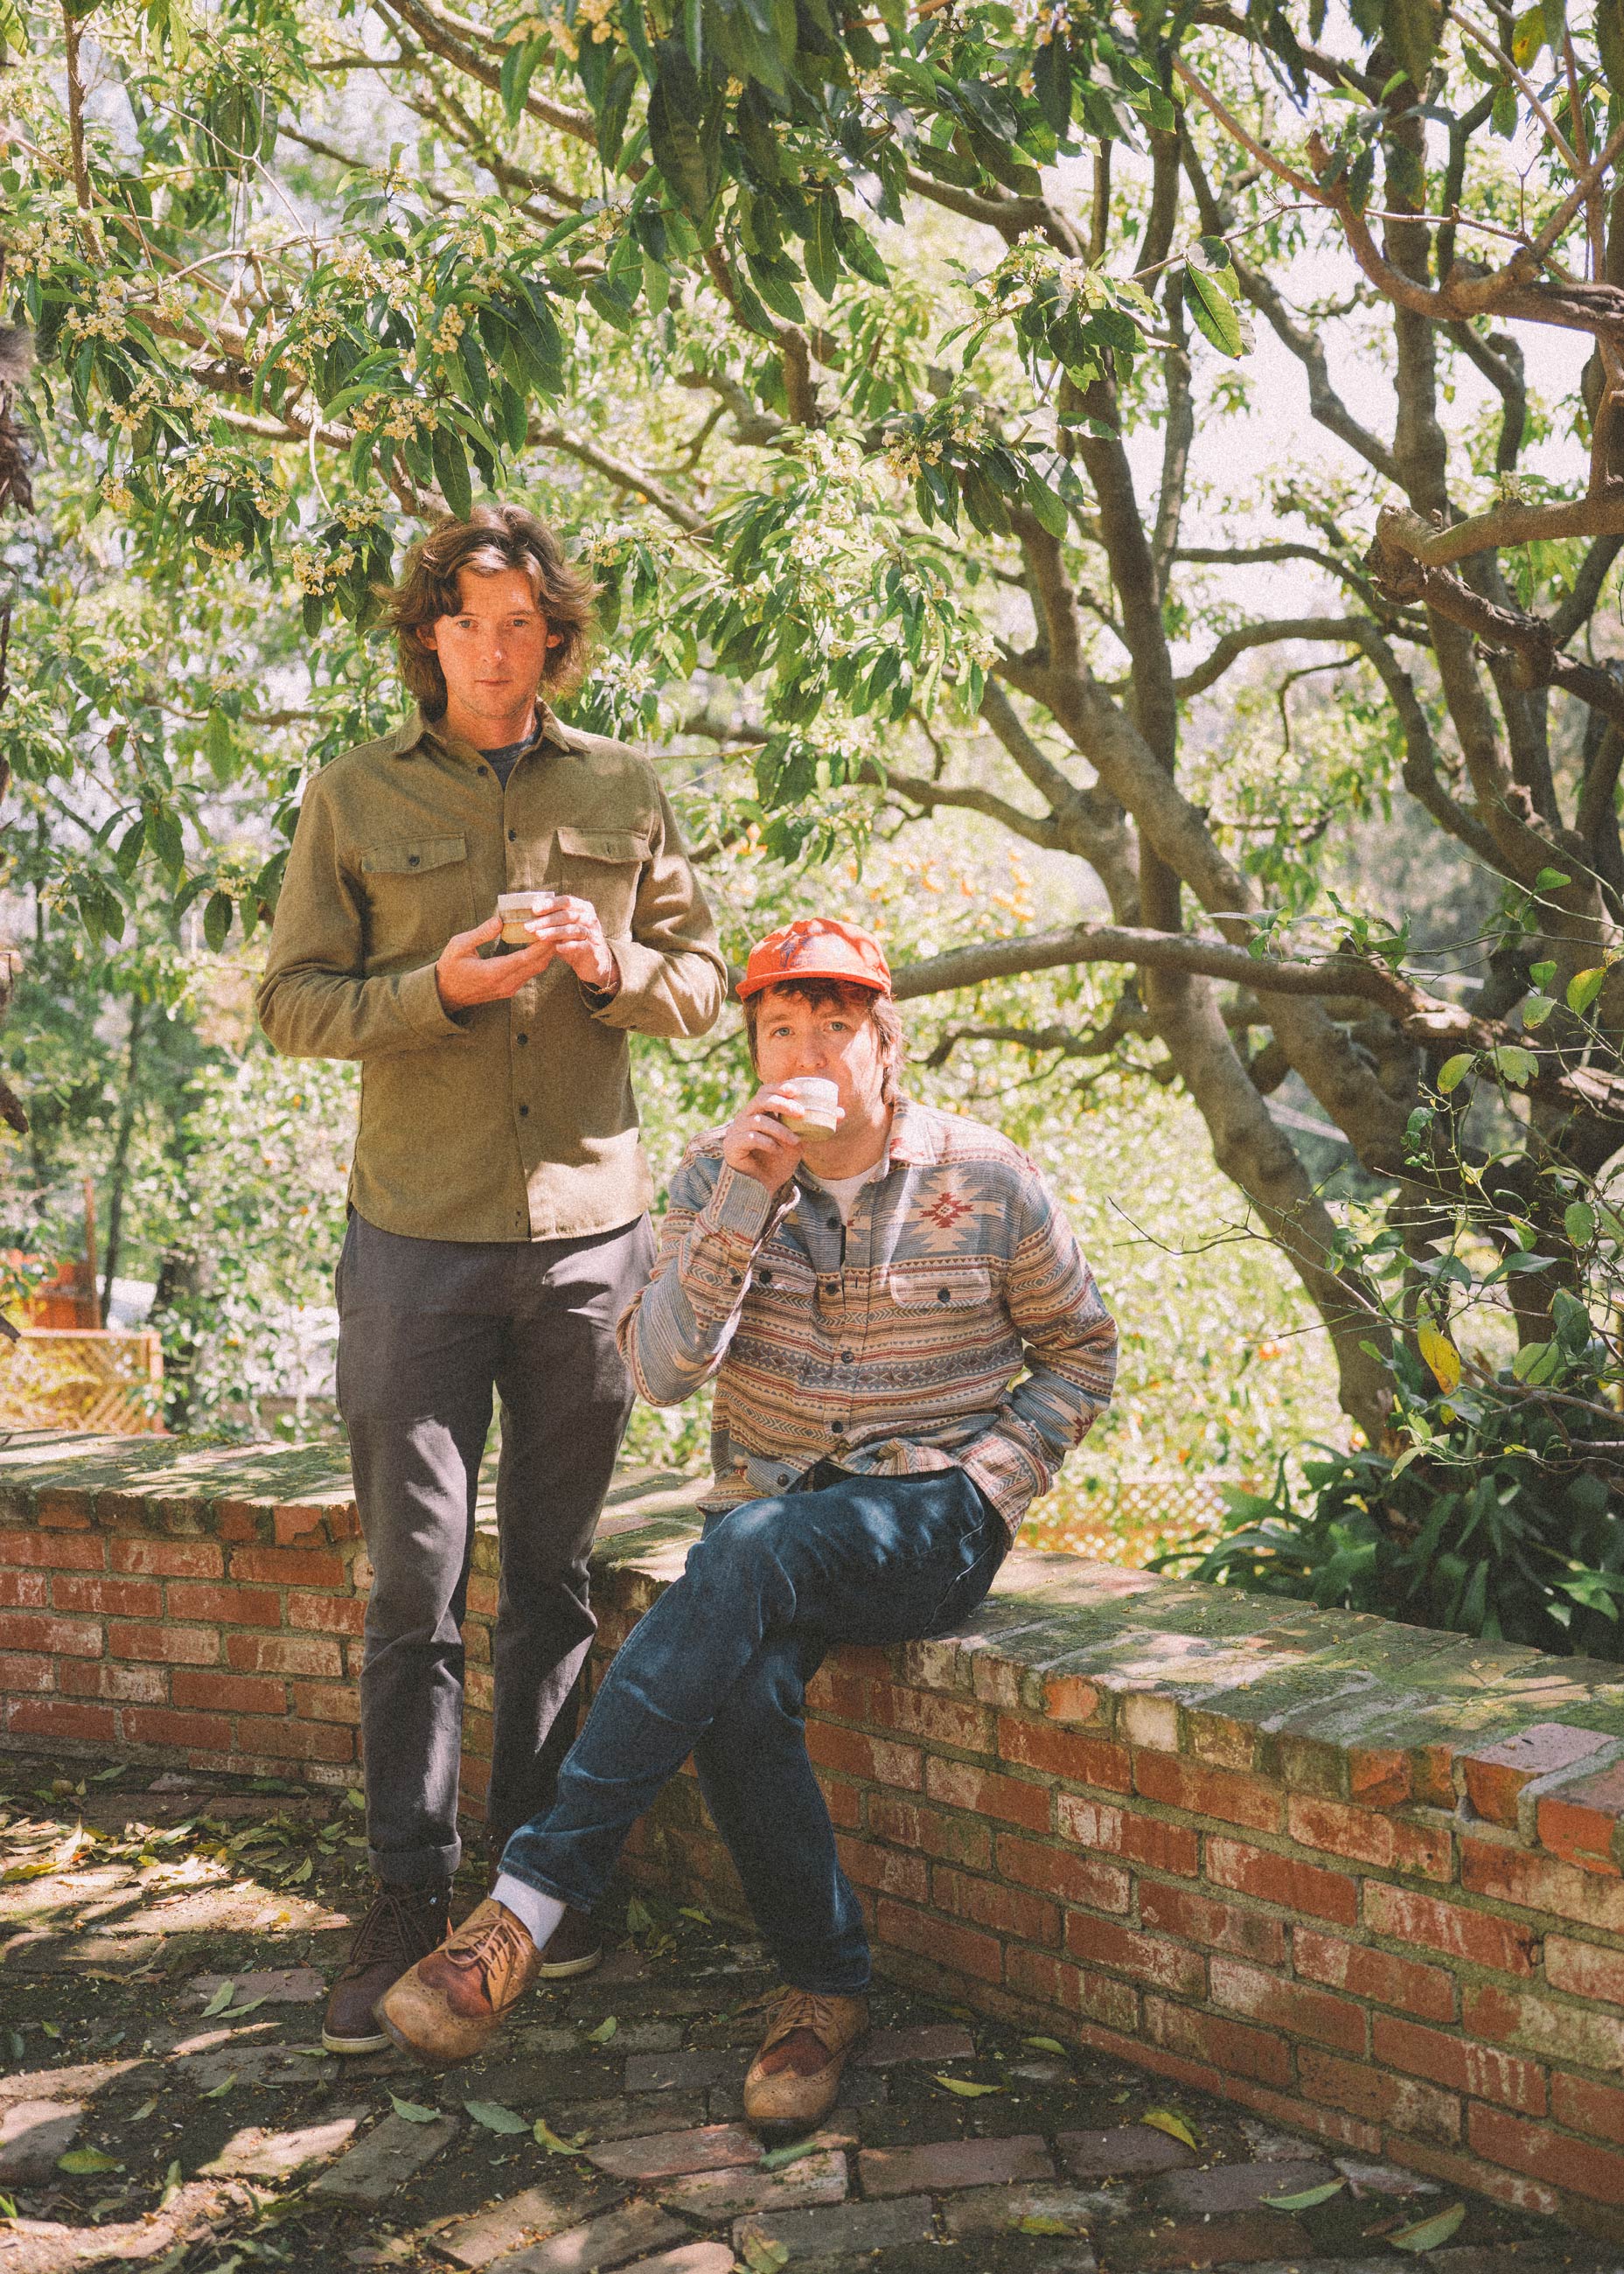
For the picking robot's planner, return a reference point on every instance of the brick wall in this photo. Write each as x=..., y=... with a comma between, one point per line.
x=1362, y=1879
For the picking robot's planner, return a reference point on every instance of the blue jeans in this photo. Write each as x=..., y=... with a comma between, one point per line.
x=718, y=1668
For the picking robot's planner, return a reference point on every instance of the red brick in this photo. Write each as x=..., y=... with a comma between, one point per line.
x=1580, y=1820
x=983, y=1793
x=326, y=1614
x=1484, y=2071
x=1146, y=1840
x=1585, y=1969
x=163, y=1725
x=1281, y=1879
x=844, y=1696
x=1291, y=2006
x=224, y=1604
x=1202, y=1791
x=167, y=1559
x=477, y=1736
x=295, y=1741
x=843, y=1801
x=172, y=1645
x=1586, y=2106
x=887, y=1870
x=1062, y=1752
x=954, y=1839
x=1350, y=2132
x=59, y=1637
x=24, y=1591
x=238, y=1519
x=57, y=1507
x=229, y=1693
x=877, y=1760
x=279, y=1654
x=23, y=1670
x=1463, y=2171
x=1362, y=2090
x=1581, y=2165
x=1068, y=1697
x=56, y=1551
x=1072, y=1989
x=1234, y=2048
x=326, y=1701
x=956, y=1949
x=1215, y=1926
x=1477, y=1936
x=290, y=1567
x=1069, y=1878
x=989, y=1903
x=484, y=1597
x=1542, y=2025
x=61, y=1717
x=127, y=1685
x=479, y=1687
x=1427, y=1991
x=1123, y=1949
x=1370, y=1838
x=92, y=1591
x=1539, y=1883
x=1496, y=1776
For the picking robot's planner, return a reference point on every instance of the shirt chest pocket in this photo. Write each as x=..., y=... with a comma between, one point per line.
x=921, y=1290
x=603, y=866
x=419, y=890
x=782, y=1282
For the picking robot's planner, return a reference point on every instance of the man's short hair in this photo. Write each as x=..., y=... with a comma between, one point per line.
x=493, y=537
x=863, y=1001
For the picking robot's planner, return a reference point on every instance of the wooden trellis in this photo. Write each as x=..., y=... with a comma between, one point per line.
x=83, y=1378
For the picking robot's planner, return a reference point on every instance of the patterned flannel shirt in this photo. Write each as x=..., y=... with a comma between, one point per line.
x=891, y=1345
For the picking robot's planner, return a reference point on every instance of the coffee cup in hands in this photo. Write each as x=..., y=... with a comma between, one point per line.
x=518, y=911
x=819, y=1115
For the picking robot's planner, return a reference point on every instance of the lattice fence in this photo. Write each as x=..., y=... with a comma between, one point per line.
x=1128, y=1519
x=82, y=1378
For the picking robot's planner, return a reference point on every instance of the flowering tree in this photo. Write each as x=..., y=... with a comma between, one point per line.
x=844, y=344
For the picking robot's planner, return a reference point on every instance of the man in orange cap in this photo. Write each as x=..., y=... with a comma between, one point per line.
x=905, y=1341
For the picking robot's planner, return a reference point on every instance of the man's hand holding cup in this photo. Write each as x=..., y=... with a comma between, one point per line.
x=764, y=1141
x=559, y=926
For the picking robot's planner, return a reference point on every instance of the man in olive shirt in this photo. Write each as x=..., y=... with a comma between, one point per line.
x=498, y=1195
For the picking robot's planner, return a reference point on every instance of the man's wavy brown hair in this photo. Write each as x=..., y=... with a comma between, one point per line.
x=493, y=537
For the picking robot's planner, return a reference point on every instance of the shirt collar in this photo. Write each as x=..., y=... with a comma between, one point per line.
x=418, y=729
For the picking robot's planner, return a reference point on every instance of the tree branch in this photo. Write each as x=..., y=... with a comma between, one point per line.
x=452, y=39
x=1234, y=645
x=623, y=475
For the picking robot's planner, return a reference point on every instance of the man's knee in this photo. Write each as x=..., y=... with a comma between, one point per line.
x=744, y=1546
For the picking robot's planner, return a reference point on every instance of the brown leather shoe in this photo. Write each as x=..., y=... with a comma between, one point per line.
x=451, y=2004
x=402, y=1925
x=795, y=2077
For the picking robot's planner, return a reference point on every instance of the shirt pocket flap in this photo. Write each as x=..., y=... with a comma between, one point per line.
x=938, y=1287
x=412, y=856
x=784, y=1275
x=603, y=845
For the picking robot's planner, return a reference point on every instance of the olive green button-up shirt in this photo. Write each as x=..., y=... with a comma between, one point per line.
x=510, y=1120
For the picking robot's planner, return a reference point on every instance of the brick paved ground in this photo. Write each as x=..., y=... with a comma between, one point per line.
x=166, y=2104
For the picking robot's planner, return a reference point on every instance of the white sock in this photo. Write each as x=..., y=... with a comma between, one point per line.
x=537, y=1914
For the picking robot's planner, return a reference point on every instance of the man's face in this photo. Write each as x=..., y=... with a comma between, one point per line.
x=832, y=1038
x=493, y=651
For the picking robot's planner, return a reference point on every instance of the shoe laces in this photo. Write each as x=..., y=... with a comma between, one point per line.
x=396, y=1924
x=802, y=2009
x=491, y=1942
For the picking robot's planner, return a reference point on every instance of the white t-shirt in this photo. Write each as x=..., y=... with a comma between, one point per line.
x=843, y=1191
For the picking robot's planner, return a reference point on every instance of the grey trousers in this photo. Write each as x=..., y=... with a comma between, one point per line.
x=428, y=1330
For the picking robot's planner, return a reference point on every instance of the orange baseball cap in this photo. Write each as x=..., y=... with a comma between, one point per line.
x=816, y=947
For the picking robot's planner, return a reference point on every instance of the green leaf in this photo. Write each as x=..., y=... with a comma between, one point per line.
x=172, y=2184
x=1168, y=2120
x=1551, y=880
x=764, y=2257
x=1584, y=987
x=88, y=2159
x=1453, y=1071
x=1537, y=1010
x=1429, y=2232
x=1513, y=1066
x=1528, y=36
x=1307, y=2198
x=604, y=2030
x=1044, y=2044
x=1579, y=1222
x=544, y=2136
x=776, y=2158
x=217, y=920
x=1542, y=973
x=675, y=108
x=451, y=472
x=965, y=2089
x=823, y=266
x=220, y=1999
x=494, y=2117
x=143, y=2111
x=1035, y=2223
x=412, y=2111
x=1216, y=317
x=219, y=2091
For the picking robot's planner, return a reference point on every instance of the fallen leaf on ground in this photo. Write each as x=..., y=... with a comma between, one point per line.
x=776, y=2158
x=1168, y=2120
x=220, y=1999
x=1307, y=2198
x=1044, y=2044
x=88, y=2159
x=411, y=2109
x=966, y=2092
x=604, y=2030
x=1427, y=2234
x=494, y=2117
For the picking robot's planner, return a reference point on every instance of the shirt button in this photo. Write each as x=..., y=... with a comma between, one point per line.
x=733, y=1279
x=838, y=1427
x=513, y=837
x=522, y=1038
x=412, y=860
x=845, y=1358
x=945, y=1294
x=524, y=1109
x=485, y=773
x=783, y=1476
x=831, y=1287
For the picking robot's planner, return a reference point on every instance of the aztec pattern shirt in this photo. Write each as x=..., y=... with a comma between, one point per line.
x=891, y=1345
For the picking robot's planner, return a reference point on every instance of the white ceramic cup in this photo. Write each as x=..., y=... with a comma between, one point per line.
x=820, y=1101
x=517, y=910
